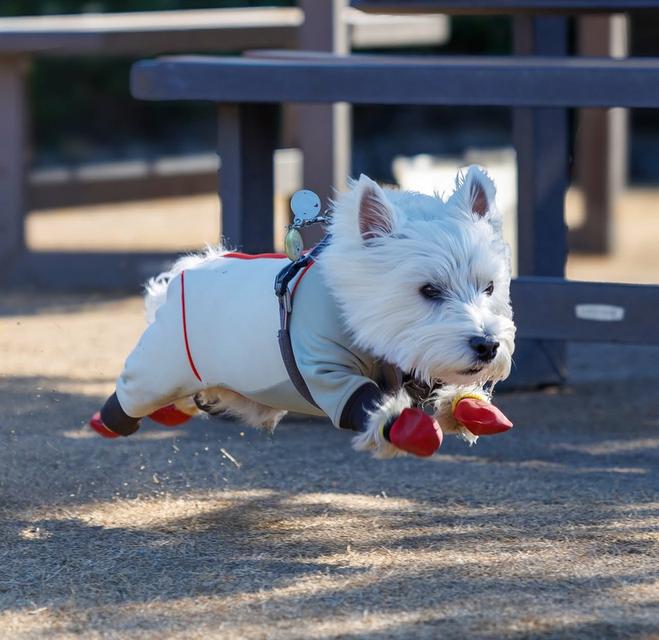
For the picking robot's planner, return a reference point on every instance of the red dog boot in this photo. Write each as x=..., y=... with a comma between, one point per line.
x=98, y=425
x=480, y=417
x=415, y=432
x=169, y=416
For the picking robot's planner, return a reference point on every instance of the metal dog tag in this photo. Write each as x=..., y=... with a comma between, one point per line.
x=305, y=205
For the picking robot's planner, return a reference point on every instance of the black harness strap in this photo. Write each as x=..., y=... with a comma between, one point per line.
x=285, y=298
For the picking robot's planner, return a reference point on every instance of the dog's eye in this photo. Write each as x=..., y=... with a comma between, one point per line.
x=489, y=290
x=431, y=292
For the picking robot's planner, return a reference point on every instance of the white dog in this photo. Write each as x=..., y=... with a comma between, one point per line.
x=407, y=283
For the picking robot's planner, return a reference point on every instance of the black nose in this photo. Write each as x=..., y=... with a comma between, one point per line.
x=485, y=347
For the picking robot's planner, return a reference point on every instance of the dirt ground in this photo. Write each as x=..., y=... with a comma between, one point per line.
x=218, y=531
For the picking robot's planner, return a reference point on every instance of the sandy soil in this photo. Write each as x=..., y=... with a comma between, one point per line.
x=550, y=531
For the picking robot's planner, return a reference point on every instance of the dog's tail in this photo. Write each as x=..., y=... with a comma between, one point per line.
x=155, y=289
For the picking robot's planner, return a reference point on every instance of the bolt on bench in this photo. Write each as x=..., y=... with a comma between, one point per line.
x=249, y=90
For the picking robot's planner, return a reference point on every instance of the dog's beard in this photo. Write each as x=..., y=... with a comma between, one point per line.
x=434, y=349
x=439, y=351
x=437, y=365
x=479, y=373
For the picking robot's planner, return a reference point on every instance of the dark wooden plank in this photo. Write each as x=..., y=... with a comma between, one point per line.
x=64, y=271
x=247, y=140
x=541, y=138
x=142, y=33
x=550, y=308
x=501, y=81
x=557, y=309
x=457, y=7
x=74, y=193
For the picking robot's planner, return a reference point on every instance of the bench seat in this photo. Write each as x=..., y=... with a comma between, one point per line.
x=363, y=79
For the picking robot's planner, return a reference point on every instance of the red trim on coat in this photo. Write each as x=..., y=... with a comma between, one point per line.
x=185, y=329
x=299, y=278
x=254, y=256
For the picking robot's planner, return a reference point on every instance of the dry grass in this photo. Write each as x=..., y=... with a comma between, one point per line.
x=548, y=532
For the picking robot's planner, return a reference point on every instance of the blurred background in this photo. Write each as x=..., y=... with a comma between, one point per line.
x=106, y=172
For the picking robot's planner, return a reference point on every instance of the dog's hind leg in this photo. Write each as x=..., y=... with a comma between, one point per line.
x=220, y=400
x=112, y=421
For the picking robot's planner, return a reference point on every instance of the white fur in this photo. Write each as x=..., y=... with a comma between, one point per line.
x=220, y=400
x=372, y=439
x=377, y=280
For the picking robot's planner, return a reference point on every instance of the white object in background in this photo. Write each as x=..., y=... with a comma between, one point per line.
x=435, y=174
x=600, y=312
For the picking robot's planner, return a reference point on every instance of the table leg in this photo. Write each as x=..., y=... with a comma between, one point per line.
x=601, y=141
x=541, y=138
x=324, y=130
x=247, y=140
x=13, y=157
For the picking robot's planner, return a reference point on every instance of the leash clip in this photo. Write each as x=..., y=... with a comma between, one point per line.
x=287, y=301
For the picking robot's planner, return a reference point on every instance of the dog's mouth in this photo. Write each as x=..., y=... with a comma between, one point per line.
x=473, y=370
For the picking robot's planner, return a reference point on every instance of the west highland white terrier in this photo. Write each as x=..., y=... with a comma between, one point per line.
x=407, y=304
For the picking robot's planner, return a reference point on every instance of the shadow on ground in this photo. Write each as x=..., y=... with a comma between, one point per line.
x=215, y=530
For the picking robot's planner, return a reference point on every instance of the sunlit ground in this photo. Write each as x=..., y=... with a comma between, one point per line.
x=188, y=223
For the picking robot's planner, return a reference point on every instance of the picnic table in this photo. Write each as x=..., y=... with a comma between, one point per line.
x=548, y=308
x=511, y=7
x=248, y=93
x=138, y=34
x=23, y=38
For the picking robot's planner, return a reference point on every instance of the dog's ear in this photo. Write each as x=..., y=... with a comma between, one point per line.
x=474, y=192
x=376, y=218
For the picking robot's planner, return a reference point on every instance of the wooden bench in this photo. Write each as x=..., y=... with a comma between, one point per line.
x=21, y=39
x=600, y=165
x=139, y=34
x=548, y=308
x=540, y=27
x=513, y=7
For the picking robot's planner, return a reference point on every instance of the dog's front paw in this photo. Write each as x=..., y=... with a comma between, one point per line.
x=415, y=432
x=395, y=429
x=208, y=402
x=468, y=412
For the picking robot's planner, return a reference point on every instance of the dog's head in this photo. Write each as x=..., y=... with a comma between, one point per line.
x=422, y=282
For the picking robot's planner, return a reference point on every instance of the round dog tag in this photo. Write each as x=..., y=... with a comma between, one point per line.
x=305, y=205
x=293, y=244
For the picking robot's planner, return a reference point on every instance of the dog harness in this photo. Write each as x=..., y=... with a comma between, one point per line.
x=285, y=297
